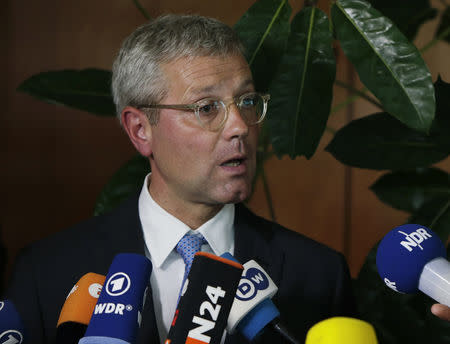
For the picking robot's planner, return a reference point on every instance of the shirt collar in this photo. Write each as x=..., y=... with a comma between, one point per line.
x=162, y=230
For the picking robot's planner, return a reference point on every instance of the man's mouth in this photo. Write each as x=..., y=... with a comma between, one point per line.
x=233, y=162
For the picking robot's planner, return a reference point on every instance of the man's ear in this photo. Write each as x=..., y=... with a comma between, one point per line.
x=138, y=128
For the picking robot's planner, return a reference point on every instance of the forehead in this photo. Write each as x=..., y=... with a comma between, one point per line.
x=192, y=76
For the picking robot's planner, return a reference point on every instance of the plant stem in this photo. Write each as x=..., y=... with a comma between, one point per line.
x=430, y=44
x=268, y=194
x=441, y=212
x=360, y=93
x=141, y=9
x=346, y=102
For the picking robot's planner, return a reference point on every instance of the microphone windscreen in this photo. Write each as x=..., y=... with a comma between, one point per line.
x=116, y=315
x=206, y=300
x=252, y=307
x=78, y=308
x=11, y=326
x=403, y=253
x=341, y=330
x=80, y=302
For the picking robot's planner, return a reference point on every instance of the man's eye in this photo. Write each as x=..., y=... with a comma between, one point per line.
x=249, y=101
x=209, y=108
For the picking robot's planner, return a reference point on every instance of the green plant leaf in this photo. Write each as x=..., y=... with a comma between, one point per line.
x=380, y=142
x=126, y=181
x=301, y=91
x=435, y=214
x=410, y=190
x=88, y=89
x=387, y=63
x=263, y=30
x=444, y=25
x=407, y=18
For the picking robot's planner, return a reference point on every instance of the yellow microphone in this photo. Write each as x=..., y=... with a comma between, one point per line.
x=340, y=330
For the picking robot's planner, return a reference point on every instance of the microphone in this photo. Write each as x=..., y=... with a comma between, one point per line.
x=411, y=257
x=205, y=301
x=341, y=330
x=253, y=311
x=117, y=315
x=78, y=308
x=11, y=327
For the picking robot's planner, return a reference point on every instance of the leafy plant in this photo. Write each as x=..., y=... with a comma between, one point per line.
x=294, y=61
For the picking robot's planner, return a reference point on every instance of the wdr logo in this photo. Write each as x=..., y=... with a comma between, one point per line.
x=118, y=284
x=11, y=337
x=249, y=284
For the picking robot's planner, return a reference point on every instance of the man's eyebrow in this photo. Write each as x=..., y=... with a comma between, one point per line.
x=211, y=88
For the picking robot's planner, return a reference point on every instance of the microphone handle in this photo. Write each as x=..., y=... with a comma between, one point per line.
x=435, y=279
x=283, y=331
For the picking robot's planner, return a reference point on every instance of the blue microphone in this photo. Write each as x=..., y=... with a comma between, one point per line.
x=11, y=326
x=410, y=258
x=253, y=311
x=117, y=316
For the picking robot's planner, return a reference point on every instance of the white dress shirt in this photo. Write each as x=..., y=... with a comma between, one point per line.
x=162, y=231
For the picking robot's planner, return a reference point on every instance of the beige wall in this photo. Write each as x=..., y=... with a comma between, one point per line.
x=54, y=161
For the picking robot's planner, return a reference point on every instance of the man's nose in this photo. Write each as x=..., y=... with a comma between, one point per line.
x=235, y=125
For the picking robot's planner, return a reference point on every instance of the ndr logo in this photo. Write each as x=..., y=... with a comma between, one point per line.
x=11, y=337
x=414, y=239
x=249, y=284
x=118, y=284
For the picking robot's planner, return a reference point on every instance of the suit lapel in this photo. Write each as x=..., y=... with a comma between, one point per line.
x=252, y=239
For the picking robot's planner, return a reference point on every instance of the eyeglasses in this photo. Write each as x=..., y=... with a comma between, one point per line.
x=212, y=113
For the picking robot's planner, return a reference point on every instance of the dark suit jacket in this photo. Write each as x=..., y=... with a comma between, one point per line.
x=313, y=280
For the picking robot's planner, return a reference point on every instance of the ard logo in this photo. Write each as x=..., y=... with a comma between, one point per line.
x=118, y=284
x=11, y=337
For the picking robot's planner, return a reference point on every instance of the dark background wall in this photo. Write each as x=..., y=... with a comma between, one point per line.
x=54, y=161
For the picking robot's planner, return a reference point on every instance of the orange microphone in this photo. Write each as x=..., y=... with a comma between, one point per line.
x=78, y=308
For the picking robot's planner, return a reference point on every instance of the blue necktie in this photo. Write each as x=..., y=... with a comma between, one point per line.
x=187, y=247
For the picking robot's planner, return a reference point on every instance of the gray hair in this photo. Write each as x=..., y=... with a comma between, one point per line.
x=137, y=77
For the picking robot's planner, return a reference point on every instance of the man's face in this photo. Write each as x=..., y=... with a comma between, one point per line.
x=189, y=163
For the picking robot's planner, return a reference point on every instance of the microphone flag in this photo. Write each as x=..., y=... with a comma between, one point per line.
x=116, y=315
x=206, y=300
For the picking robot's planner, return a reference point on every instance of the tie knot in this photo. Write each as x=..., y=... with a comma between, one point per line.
x=188, y=246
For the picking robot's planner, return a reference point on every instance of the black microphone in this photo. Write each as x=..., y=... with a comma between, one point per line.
x=78, y=308
x=205, y=302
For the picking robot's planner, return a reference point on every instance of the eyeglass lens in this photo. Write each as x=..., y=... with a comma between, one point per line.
x=212, y=113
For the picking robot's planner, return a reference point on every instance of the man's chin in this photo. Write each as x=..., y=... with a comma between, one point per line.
x=237, y=196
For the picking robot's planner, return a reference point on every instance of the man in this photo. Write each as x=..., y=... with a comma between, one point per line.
x=186, y=99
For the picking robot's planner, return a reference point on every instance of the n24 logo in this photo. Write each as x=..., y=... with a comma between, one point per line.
x=210, y=308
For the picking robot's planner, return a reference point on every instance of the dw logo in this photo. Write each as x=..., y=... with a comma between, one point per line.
x=11, y=337
x=249, y=284
x=118, y=284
